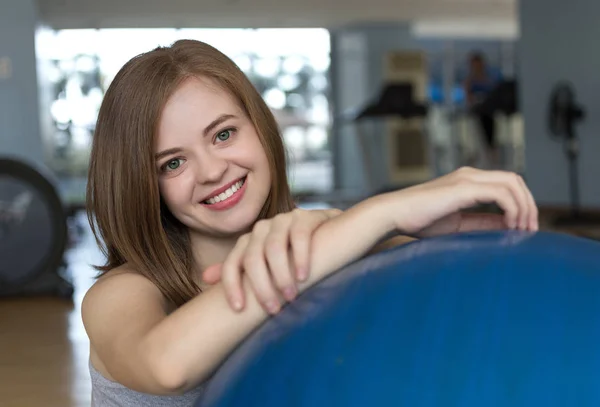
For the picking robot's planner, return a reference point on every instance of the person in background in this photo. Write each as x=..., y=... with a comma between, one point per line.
x=479, y=83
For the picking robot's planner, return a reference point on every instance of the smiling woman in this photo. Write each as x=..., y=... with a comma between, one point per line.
x=188, y=196
x=216, y=147
x=186, y=158
x=210, y=126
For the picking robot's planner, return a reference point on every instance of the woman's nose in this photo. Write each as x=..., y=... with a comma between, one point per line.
x=211, y=168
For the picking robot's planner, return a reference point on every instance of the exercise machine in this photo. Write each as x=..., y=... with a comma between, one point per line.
x=33, y=232
x=406, y=146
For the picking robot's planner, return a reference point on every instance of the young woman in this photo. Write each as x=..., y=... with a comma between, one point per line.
x=188, y=197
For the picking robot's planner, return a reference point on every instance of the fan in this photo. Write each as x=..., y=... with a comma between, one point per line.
x=563, y=114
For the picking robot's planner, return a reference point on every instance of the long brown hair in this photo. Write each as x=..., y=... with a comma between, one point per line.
x=128, y=218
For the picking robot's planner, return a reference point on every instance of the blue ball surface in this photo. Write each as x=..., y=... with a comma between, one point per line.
x=477, y=319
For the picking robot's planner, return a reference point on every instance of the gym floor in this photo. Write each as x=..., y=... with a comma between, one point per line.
x=44, y=347
x=44, y=356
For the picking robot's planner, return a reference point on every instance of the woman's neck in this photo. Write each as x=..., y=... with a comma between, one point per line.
x=209, y=250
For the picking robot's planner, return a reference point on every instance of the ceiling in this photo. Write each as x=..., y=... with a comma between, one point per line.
x=272, y=13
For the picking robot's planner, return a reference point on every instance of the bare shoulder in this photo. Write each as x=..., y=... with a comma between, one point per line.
x=119, y=287
x=120, y=306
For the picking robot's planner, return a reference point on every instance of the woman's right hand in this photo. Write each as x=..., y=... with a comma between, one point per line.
x=274, y=257
x=434, y=207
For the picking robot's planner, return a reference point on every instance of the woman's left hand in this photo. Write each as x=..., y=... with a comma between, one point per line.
x=273, y=256
x=470, y=221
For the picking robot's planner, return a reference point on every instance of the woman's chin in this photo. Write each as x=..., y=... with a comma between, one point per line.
x=231, y=228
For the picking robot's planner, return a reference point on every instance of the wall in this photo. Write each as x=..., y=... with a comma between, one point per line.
x=19, y=117
x=559, y=41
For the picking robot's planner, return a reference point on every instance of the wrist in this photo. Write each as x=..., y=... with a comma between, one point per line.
x=382, y=212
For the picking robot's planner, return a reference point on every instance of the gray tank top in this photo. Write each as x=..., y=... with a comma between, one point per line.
x=106, y=393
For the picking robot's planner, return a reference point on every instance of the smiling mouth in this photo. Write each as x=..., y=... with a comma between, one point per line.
x=228, y=193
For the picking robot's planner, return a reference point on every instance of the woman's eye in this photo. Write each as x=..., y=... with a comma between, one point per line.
x=172, y=165
x=224, y=135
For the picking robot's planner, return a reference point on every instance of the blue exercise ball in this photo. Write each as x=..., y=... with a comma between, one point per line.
x=477, y=319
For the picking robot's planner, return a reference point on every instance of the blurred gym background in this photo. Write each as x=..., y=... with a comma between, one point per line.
x=370, y=96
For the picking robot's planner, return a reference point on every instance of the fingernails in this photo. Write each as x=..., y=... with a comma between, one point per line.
x=272, y=306
x=302, y=274
x=289, y=293
x=237, y=305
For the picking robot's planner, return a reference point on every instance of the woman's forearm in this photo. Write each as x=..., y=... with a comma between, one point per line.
x=196, y=338
x=348, y=237
x=192, y=342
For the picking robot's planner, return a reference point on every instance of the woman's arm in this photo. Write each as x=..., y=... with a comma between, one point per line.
x=198, y=336
x=147, y=350
x=337, y=242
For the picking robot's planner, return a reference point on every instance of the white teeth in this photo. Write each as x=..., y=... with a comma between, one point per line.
x=224, y=195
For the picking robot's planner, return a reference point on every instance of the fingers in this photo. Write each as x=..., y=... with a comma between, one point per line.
x=512, y=195
x=304, y=225
x=247, y=257
x=278, y=259
x=255, y=267
x=533, y=220
x=212, y=274
x=527, y=210
x=273, y=256
x=300, y=241
x=504, y=197
x=515, y=187
x=292, y=231
x=231, y=274
x=301, y=232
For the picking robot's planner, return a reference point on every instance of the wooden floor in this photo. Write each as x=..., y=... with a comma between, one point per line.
x=44, y=349
x=43, y=346
x=44, y=354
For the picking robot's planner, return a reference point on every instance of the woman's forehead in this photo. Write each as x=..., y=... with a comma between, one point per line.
x=193, y=107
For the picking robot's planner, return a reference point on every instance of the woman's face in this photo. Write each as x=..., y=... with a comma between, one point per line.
x=213, y=171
